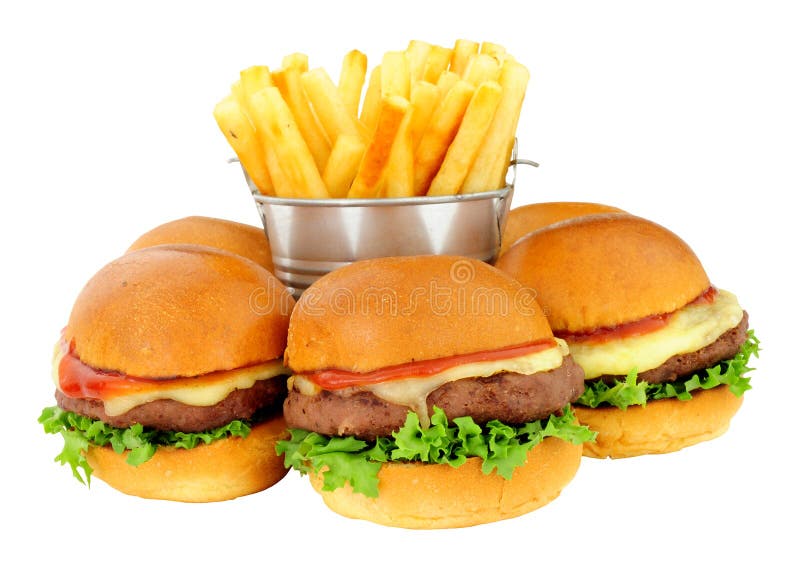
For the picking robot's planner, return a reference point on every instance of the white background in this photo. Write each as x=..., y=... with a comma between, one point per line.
x=683, y=112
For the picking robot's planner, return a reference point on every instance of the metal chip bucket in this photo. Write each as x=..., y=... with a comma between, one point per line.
x=311, y=237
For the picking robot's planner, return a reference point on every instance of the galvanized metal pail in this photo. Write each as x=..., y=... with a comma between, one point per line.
x=311, y=237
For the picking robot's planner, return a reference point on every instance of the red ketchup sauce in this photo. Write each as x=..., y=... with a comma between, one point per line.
x=78, y=380
x=640, y=327
x=332, y=379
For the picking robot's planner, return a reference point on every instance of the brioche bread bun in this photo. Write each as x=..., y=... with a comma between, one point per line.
x=224, y=469
x=661, y=426
x=245, y=240
x=527, y=218
x=428, y=496
x=605, y=270
x=395, y=310
x=179, y=311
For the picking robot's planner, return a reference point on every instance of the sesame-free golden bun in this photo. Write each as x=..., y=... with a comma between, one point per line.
x=605, y=270
x=427, y=496
x=661, y=426
x=239, y=238
x=221, y=470
x=179, y=311
x=526, y=218
x=395, y=310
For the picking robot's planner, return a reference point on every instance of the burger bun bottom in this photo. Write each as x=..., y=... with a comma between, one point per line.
x=429, y=496
x=661, y=426
x=222, y=470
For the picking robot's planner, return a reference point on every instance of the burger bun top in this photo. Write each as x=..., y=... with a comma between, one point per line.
x=179, y=311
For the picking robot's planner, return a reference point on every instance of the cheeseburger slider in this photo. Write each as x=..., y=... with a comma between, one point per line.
x=664, y=351
x=527, y=218
x=429, y=392
x=245, y=240
x=170, y=378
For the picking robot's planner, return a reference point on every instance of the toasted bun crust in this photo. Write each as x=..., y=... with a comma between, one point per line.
x=245, y=240
x=221, y=470
x=179, y=311
x=605, y=270
x=661, y=426
x=427, y=496
x=395, y=310
x=524, y=219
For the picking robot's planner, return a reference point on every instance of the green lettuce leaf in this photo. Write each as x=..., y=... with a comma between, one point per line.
x=80, y=432
x=628, y=392
x=502, y=447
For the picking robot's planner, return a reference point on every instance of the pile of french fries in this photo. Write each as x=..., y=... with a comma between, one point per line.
x=432, y=121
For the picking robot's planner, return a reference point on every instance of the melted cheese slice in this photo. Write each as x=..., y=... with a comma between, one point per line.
x=202, y=391
x=413, y=392
x=689, y=329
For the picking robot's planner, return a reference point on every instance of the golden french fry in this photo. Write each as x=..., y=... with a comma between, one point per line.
x=372, y=169
x=437, y=62
x=439, y=135
x=238, y=94
x=297, y=61
x=351, y=80
x=424, y=99
x=276, y=125
x=250, y=81
x=447, y=80
x=343, y=165
x=328, y=105
x=417, y=54
x=488, y=171
x=495, y=50
x=468, y=140
x=255, y=78
x=399, y=180
x=395, y=75
x=372, y=101
x=288, y=82
x=241, y=136
x=482, y=68
x=462, y=51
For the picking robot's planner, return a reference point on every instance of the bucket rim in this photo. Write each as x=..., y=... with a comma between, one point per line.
x=383, y=201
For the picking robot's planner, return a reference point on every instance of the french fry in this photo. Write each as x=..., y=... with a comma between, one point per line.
x=372, y=101
x=251, y=81
x=241, y=136
x=488, y=171
x=441, y=130
x=462, y=51
x=372, y=169
x=482, y=68
x=274, y=121
x=351, y=80
x=447, y=80
x=395, y=75
x=417, y=54
x=468, y=140
x=438, y=60
x=297, y=61
x=399, y=180
x=493, y=49
x=288, y=82
x=424, y=98
x=255, y=78
x=328, y=105
x=238, y=94
x=343, y=164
